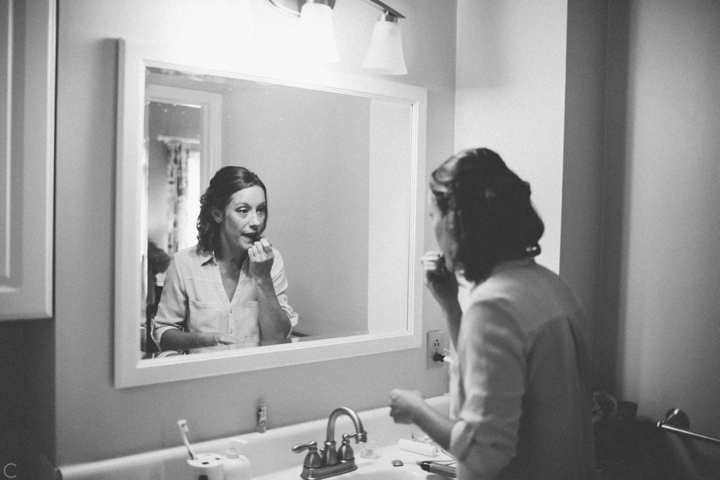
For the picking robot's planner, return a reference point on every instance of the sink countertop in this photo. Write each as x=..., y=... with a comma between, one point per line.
x=270, y=452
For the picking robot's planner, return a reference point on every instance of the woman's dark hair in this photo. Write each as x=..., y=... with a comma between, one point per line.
x=490, y=213
x=223, y=185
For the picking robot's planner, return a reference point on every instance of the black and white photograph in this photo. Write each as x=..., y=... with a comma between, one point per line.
x=360, y=239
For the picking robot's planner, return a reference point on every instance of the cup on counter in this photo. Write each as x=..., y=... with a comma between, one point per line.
x=370, y=449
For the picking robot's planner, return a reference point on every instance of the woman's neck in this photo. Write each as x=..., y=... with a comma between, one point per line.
x=236, y=259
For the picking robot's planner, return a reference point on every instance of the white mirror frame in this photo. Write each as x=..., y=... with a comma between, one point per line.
x=129, y=369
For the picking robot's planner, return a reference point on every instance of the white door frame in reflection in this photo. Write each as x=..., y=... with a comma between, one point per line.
x=406, y=222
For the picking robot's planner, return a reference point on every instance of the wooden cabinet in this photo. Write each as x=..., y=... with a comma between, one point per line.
x=27, y=142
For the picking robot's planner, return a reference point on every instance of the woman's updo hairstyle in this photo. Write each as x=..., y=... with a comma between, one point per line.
x=223, y=185
x=490, y=213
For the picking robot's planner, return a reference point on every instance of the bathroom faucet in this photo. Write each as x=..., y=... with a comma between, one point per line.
x=331, y=461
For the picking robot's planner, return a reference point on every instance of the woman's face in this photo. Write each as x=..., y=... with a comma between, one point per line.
x=443, y=232
x=243, y=220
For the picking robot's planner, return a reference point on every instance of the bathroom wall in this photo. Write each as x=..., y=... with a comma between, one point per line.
x=662, y=204
x=531, y=87
x=95, y=421
x=14, y=393
x=26, y=392
x=511, y=96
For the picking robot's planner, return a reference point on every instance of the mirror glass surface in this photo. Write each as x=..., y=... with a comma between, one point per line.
x=341, y=160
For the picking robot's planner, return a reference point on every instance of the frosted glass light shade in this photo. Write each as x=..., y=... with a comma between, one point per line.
x=385, y=53
x=317, y=35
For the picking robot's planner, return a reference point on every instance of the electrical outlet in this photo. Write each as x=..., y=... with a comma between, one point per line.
x=435, y=345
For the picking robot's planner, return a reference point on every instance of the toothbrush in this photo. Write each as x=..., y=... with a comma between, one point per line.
x=184, y=428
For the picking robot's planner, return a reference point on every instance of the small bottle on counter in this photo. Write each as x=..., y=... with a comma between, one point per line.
x=237, y=466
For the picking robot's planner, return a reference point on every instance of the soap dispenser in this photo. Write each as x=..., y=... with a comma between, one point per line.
x=237, y=467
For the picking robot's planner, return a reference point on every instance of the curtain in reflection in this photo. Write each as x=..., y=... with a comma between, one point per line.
x=177, y=184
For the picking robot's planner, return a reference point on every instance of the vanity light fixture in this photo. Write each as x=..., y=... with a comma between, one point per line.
x=317, y=36
x=385, y=53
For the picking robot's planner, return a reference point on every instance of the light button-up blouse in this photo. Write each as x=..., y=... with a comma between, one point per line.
x=194, y=300
x=520, y=386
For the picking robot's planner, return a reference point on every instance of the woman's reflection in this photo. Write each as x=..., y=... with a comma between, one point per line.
x=229, y=290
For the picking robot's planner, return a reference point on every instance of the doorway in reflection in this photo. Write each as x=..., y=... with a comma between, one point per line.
x=173, y=145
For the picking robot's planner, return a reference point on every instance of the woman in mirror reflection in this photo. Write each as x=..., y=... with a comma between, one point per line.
x=519, y=386
x=229, y=291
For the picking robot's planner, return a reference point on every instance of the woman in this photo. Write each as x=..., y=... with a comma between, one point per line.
x=520, y=399
x=229, y=290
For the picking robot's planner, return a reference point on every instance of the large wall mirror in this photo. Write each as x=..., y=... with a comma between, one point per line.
x=342, y=158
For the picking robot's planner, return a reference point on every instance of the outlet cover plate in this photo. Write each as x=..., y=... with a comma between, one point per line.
x=435, y=344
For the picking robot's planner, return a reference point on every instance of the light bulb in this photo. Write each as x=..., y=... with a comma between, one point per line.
x=317, y=35
x=385, y=53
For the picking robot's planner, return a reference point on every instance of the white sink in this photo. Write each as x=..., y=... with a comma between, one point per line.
x=374, y=469
x=271, y=454
x=385, y=474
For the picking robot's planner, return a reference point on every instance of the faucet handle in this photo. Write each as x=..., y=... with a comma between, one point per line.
x=345, y=452
x=312, y=459
x=304, y=446
x=360, y=437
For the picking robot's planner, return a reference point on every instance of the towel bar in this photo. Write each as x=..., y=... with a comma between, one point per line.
x=678, y=422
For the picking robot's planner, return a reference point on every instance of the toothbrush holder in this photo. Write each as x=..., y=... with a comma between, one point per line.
x=207, y=466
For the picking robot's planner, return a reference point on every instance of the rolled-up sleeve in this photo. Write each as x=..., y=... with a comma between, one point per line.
x=492, y=373
x=280, y=283
x=172, y=309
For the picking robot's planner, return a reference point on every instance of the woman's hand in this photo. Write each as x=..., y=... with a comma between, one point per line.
x=212, y=339
x=174, y=339
x=224, y=339
x=441, y=282
x=405, y=404
x=409, y=407
x=261, y=258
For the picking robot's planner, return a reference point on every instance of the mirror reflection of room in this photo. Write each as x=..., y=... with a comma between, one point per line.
x=214, y=304
x=311, y=147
